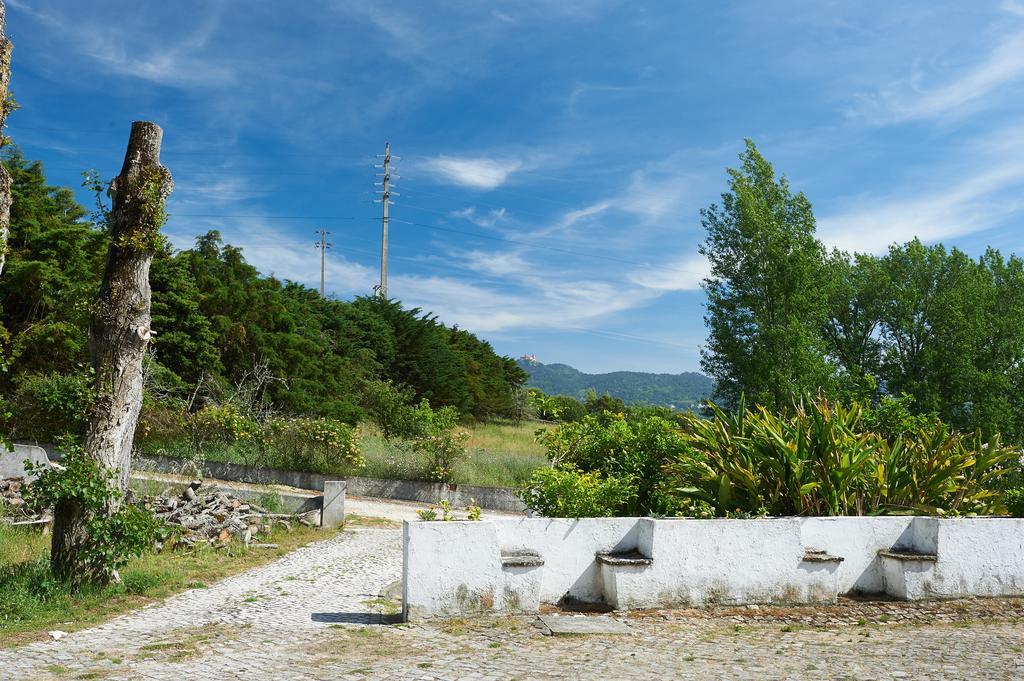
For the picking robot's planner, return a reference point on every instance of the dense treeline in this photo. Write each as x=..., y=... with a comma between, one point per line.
x=787, y=317
x=219, y=323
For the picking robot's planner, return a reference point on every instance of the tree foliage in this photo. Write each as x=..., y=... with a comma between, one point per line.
x=765, y=303
x=217, y=320
x=786, y=318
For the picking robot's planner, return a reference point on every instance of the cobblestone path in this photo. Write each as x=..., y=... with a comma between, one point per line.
x=315, y=614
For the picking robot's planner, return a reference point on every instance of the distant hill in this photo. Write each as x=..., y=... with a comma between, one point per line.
x=680, y=391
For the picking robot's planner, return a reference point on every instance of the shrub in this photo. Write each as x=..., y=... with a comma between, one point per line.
x=567, y=492
x=82, y=484
x=604, y=404
x=1014, y=499
x=568, y=408
x=820, y=460
x=222, y=423
x=438, y=437
x=388, y=407
x=161, y=422
x=320, y=445
x=633, y=450
x=48, y=406
x=892, y=418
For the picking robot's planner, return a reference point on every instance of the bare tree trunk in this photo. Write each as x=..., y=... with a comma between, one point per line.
x=119, y=331
x=6, y=104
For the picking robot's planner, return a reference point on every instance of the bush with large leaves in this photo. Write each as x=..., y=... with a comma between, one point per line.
x=820, y=460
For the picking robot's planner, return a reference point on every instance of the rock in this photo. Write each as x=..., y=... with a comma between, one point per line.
x=57, y=635
x=215, y=517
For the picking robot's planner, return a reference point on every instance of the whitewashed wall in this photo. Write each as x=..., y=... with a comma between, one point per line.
x=455, y=568
x=12, y=462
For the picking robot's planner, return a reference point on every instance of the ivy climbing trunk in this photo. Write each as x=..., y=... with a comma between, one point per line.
x=6, y=104
x=119, y=331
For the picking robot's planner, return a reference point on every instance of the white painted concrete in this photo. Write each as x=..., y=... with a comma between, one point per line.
x=858, y=539
x=568, y=546
x=455, y=567
x=12, y=462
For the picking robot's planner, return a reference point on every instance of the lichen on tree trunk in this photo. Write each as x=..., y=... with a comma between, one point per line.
x=6, y=104
x=119, y=330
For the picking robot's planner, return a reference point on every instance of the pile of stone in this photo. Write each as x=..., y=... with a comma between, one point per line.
x=216, y=517
x=13, y=508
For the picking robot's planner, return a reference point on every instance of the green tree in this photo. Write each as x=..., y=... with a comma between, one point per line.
x=856, y=289
x=767, y=293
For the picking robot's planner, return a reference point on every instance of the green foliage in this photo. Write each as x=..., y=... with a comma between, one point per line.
x=544, y=406
x=82, y=484
x=51, y=405
x=625, y=449
x=387, y=405
x=320, y=445
x=217, y=319
x=766, y=305
x=473, y=512
x=569, y=409
x=893, y=418
x=1015, y=502
x=439, y=438
x=922, y=321
x=566, y=492
x=819, y=459
x=605, y=404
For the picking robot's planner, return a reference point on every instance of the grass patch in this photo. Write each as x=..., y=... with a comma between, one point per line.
x=32, y=602
x=497, y=455
x=500, y=454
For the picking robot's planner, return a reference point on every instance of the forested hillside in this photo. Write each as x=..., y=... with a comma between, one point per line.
x=680, y=391
x=219, y=324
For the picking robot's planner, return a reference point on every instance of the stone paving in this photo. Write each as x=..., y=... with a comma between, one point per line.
x=315, y=614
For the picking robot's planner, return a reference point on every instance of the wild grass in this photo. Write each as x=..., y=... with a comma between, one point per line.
x=497, y=455
x=32, y=602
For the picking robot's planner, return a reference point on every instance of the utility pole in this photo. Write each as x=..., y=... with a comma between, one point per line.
x=323, y=245
x=385, y=200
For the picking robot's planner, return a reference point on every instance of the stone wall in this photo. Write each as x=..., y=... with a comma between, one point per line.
x=492, y=498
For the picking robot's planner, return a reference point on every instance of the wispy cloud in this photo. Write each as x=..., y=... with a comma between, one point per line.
x=964, y=207
x=683, y=274
x=977, y=190
x=474, y=173
x=488, y=219
x=176, y=63
x=915, y=98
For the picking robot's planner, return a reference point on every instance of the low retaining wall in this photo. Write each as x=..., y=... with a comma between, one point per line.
x=493, y=498
x=514, y=565
x=330, y=500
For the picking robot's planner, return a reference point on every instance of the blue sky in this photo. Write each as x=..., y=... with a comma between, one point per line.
x=555, y=153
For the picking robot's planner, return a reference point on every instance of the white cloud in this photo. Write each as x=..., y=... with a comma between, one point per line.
x=910, y=99
x=489, y=219
x=574, y=216
x=1013, y=7
x=964, y=207
x=684, y=274
x=177, y=64
x=475, y=173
